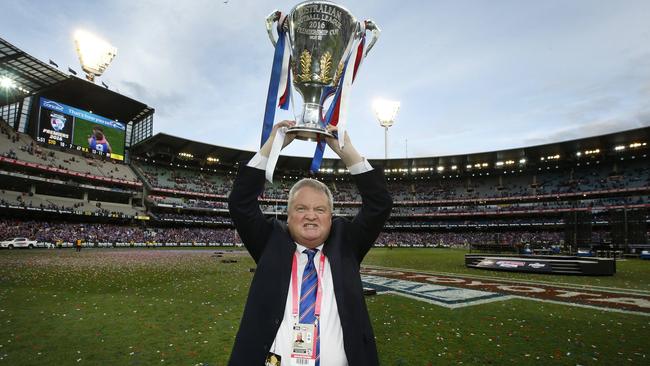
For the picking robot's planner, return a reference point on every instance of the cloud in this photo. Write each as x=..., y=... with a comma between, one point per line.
x=470, y=78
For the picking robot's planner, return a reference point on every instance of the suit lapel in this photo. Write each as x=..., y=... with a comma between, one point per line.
x=332, y=251
x=283, y=261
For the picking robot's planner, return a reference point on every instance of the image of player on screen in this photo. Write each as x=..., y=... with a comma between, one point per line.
x=97, y=141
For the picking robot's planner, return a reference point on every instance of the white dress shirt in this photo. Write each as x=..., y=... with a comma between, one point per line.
x=331, y=334
x=332, y=352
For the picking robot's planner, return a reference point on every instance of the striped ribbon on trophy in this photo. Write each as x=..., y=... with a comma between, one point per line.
x=280, y=83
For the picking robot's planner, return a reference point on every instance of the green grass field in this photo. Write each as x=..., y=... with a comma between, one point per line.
x=146, y=307
x=633, y=274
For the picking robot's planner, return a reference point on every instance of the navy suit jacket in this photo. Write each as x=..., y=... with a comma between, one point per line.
x=271, y=246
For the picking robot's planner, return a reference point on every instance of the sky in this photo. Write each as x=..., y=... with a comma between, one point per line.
x=471, y=76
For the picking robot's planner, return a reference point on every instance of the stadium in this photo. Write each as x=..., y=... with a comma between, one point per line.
x=160, y=275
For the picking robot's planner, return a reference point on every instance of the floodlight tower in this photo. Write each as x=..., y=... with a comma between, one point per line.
x=386, y=111
x=94, y=53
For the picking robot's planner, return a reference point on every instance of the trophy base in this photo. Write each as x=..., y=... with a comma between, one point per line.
x=308, y=133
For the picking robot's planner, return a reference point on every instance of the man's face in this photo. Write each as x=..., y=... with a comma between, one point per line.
x=309, y=217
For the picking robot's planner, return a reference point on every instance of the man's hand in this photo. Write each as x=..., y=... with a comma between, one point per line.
x=348, y=154
x=266, y=148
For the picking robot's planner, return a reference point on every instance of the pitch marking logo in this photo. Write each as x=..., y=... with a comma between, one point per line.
x=449, y=297
x=457, y=291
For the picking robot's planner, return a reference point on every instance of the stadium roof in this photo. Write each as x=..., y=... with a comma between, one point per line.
x=167, y=148
x=30, y=74
x=86, y=95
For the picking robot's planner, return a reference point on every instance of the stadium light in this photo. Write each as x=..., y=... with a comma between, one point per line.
x=386, y=111
x=94, y=53
x=7, y=83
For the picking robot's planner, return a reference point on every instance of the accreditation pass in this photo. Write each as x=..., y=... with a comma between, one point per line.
x=303, y=348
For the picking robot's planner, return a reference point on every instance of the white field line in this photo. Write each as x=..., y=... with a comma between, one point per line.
x=617, y=290
x=448, y=306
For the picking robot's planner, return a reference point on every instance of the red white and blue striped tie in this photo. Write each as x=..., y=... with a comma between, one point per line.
x=308, y=291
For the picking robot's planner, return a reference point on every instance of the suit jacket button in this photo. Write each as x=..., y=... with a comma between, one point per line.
x=277, y=321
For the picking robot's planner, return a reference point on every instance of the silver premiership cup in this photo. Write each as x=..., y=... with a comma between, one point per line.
x=320, y=35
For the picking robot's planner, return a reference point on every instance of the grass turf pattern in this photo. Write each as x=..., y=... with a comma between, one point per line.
x=146, y=307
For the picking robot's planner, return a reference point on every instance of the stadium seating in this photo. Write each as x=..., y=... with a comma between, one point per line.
x=95, y=233
x=499, y=211
x=22, y=147
x=21, y=199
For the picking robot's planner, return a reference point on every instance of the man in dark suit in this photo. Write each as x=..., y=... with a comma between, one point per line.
x=310, y=246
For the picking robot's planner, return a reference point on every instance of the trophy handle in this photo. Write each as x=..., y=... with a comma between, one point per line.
x=272, y=18
x=370, y=25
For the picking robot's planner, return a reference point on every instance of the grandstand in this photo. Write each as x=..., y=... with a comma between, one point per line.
x=166, y=190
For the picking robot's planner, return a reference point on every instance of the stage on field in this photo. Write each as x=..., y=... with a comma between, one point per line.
x=565, y=265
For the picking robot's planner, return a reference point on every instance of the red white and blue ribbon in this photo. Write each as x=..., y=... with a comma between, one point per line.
x=280, y=83
x=284, y=86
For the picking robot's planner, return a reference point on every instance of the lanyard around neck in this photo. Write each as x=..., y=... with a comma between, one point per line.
x=294, y=284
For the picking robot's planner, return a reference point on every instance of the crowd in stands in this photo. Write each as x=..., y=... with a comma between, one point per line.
x=184, y=179
x=464, y=239
x=183, y=202
x=53, y=232
x=415, y=197
x=167, y=216
x=636, y=174
x=582, y=179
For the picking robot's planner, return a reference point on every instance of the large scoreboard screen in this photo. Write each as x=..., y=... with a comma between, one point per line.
x=69, y=127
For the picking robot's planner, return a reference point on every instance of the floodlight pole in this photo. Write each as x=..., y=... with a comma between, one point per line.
x=385, y=142
x=385, y=125
x=386, y=112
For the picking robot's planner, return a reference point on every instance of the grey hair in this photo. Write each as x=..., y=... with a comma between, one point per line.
x=314, y=184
